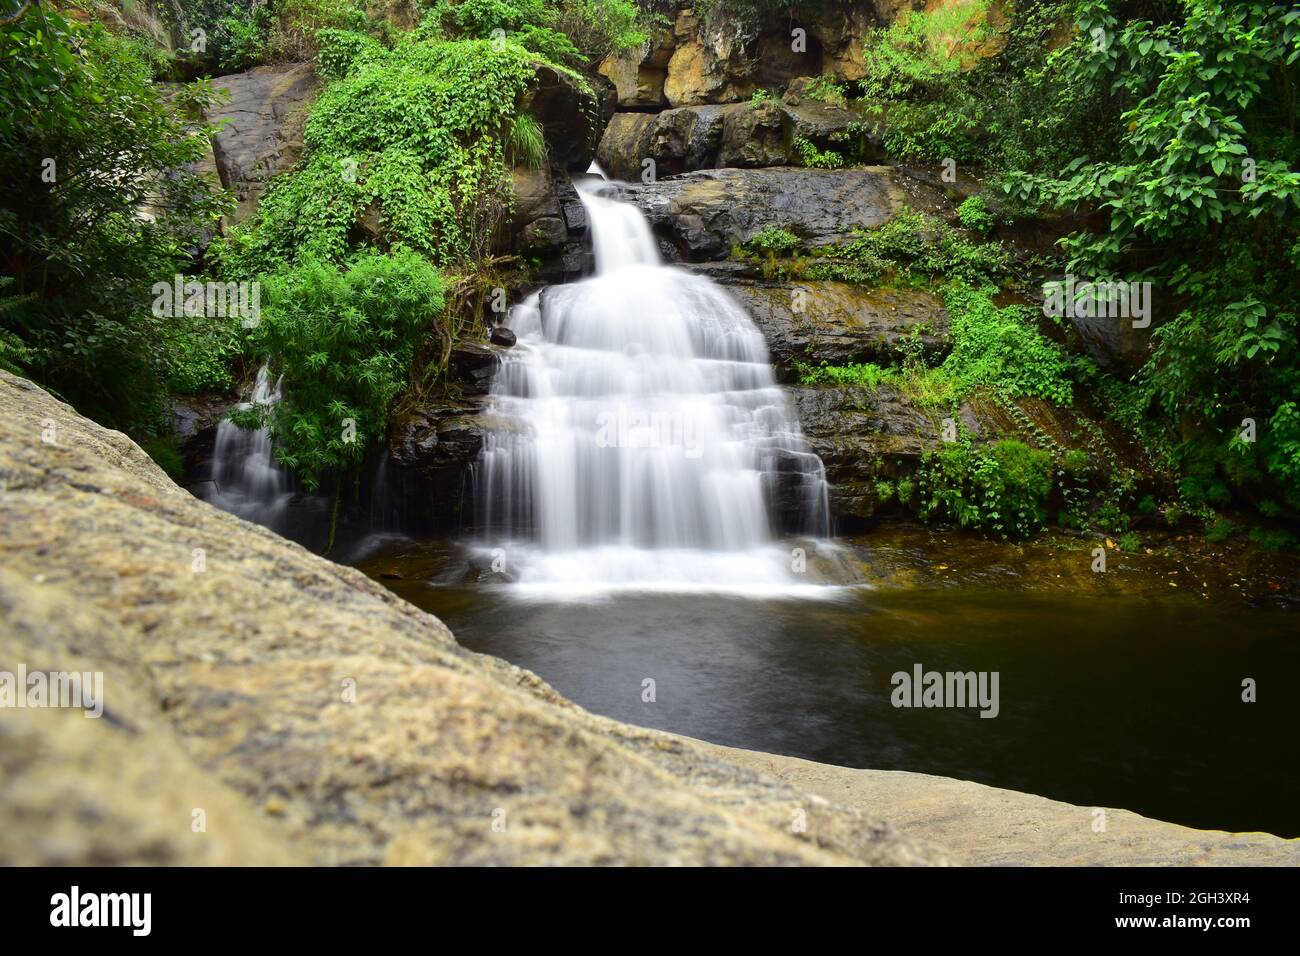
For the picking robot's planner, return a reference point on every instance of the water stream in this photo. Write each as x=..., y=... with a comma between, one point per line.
x=642, y=442
x=246, y=480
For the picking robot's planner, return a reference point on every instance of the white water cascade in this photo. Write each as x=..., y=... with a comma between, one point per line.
x=640, y=439
x=246, y=479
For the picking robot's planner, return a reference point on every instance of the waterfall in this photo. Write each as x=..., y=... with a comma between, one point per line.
x=639, y=437
x=246, y=478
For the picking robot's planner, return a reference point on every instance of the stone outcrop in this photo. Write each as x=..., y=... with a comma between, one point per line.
x=433, y=445
x=713, y=56
x=547, y=223
x=734, y=135
x=537, y=221
x=703, y=214
x=265, y=118
x=308, y=714
x=988, y=826
x=711, y=59
x=1114, y=343
x=865, y=435
x=570, y=118
x=809, y=322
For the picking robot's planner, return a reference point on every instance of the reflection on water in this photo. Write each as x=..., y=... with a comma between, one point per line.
x=1105, y=701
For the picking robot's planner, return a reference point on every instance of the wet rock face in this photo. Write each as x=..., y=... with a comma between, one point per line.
x=433, y=446
x=839, y=323
x=1113, y=343
x=432, y=449
x=709, y=137
x=864, y=435
x=569, y=119
x=703, y=214
x=720, y=59
x=753, y=136
x=312, y=715
x=266, y=115
x=537, y=221
x=547, y=224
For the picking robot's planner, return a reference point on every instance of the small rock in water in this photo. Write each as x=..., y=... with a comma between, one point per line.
x=502, y=336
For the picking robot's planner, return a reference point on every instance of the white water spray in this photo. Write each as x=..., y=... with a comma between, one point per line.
x=642, y=439
x=246, y=479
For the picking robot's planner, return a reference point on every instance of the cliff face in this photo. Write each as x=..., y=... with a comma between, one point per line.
x=262, y=705
x=703, y=55
x=702, y=58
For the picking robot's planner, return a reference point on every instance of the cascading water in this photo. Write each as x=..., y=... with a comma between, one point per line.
x=640, y=437
x=246, y=479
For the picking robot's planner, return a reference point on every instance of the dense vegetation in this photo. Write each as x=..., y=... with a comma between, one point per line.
x=414, y=132
x=1169, y=130
x=1162, y=132
x=87, y=223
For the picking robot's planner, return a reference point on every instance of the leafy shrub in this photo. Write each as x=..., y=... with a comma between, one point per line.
x=82, y=259
x=577, y=32
x=296, y=24
x=914, y=246
x=344, y=340
x=817, y=158
x=203, y=355
x=418, y=132
x=241, y=39
x=920, y=50
x=825, y=89
x=1001, y=348
x=1195, y=164
x=772, y=239
x=1002, y=488
x=973, y=213
x=864, y=375
x=341, y=50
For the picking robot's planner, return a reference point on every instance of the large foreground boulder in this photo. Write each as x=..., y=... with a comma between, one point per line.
x=262, y=705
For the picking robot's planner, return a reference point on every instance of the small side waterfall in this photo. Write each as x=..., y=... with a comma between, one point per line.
x=642, y=440
x=246, y=479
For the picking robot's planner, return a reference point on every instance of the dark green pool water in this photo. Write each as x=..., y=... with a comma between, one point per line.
x=1104, y=701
